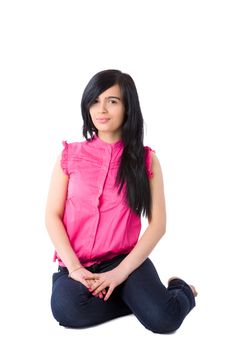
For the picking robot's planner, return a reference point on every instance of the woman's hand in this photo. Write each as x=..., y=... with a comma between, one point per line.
x=87, y=278
x=101, y=281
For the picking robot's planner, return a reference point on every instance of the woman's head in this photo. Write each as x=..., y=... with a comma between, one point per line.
x=102, y=87
x=107, y=113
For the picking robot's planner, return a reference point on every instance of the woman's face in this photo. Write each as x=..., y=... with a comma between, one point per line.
x=107, y=112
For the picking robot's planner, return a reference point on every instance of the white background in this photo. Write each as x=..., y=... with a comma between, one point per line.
x=180, y=55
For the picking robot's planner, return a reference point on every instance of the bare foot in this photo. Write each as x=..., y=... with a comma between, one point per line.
x=190, y=285
x=193, y=290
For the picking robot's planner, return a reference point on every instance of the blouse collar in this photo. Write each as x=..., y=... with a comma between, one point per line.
x=114, y=145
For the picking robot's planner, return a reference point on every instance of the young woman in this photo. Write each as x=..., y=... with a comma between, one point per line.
x=99, y=189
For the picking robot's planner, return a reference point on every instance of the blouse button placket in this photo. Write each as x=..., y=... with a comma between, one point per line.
x=106, y=160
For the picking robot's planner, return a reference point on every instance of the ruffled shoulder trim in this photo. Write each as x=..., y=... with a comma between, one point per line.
x=148, y=160
x=64, y=158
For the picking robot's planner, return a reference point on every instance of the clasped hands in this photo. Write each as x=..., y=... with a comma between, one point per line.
x=100, y=284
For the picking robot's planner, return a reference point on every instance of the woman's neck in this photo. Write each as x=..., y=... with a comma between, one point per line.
x=109, y=138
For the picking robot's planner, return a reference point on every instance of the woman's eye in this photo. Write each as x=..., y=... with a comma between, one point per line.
x=112, y=101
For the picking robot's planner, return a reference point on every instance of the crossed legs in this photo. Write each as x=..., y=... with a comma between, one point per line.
x=158, y=308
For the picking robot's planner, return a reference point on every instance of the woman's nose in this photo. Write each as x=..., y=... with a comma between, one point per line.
x=102, y=106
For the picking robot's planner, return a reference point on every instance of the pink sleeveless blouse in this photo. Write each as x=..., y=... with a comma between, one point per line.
x=98, y=221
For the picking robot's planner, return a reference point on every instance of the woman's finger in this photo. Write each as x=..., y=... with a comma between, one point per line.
x=95, y=284
x=110, y=290
x=99, y=288
x=85, y=283
x=93, y=277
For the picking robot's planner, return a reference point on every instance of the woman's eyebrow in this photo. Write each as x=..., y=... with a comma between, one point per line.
x=118, y=98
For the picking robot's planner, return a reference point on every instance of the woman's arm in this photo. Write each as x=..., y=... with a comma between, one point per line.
x=54, y=214
x=57, y=232
x=149, y=239
x=157, y=224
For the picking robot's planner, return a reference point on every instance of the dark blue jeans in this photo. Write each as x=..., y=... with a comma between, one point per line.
x=159, y=309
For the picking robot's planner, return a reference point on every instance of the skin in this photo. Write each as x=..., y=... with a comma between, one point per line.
x=108, y=105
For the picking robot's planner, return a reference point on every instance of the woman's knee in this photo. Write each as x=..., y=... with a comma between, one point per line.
x=67, y=304
x=63, y=310
x=161, y=322
x=163, y=327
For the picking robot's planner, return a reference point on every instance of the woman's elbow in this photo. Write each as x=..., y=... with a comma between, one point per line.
x=160, y=228
x=162, y=231
x=51, y=218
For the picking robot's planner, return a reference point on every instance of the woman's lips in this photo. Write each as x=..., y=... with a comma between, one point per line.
x=102, y=120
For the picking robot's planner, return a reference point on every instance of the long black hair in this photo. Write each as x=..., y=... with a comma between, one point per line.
x=132, y=170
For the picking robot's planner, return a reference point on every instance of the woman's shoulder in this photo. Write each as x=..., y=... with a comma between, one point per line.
x=73, y=146
x=148, y=149
x=74, y=143
x=151, y=161
x=70, y=153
